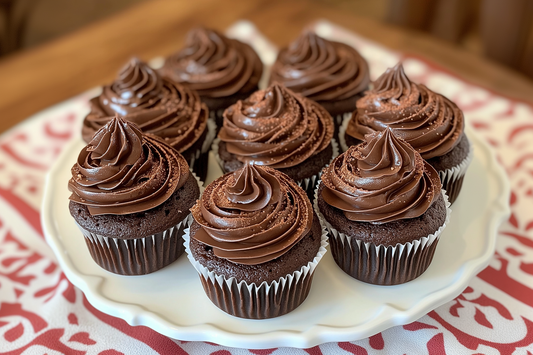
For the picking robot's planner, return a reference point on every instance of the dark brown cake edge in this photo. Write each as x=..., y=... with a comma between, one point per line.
x=386, y=234
x=377, y=264
x=259, y=301
x=454, y=157
x=297, y=257
x=141, y=224
x=310, y=167
x=450, y=182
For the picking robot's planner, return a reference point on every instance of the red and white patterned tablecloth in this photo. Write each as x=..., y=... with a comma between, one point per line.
x=41, y=312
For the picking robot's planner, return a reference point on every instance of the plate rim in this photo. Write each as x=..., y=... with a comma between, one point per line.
x=318, y=334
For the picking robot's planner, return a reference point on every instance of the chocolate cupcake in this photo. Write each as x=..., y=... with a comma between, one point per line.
x=429, y=122
x=131, y=195
x=384, y=210
x=220, y=69
x=255, y=242
x=158, y=106
x=331, y=73
x=276, y=127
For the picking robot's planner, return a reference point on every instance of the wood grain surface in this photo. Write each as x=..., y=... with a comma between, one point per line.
x=40, y=77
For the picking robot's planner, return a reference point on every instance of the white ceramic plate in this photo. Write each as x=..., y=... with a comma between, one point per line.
x=338, y=308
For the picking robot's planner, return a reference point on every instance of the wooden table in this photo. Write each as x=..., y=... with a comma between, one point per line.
x=39, y=308
x=37, y=78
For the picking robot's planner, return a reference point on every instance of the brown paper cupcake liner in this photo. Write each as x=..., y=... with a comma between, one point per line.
x=378, y=264
x=137, y=256
x=199, y=161
x=211, y=135
x=218, y=117
x=342, y=131
x=309, y=184
x=252, y=301
x=338, y=122
x=195, y=162
x=452, y=179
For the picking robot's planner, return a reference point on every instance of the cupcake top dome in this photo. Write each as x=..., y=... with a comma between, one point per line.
x=122, y=171
x=252, y=215
x=428, y=121
x=214, y=65
x=156, y=105
x=321, y=70
x=380, y=180
x=276, y=127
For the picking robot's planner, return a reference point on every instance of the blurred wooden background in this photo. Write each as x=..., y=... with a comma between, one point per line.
x=498, y=29
x=27, y=23
x=55, y=65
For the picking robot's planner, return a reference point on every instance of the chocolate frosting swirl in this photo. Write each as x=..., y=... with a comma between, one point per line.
x=122, y=171
x=321, y=70
x=252, y=215
x=380, y=180
x=428, y=121
x=170, y=111
x=214, y=65
x=276, y=127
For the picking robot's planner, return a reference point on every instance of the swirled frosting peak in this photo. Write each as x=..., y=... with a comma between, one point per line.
x=428, y=121
x=380, y=180
x=321, y=70
x=137, y=85
x=214, y=65
x=158, y=106
x=395, y=82
x=276, y=127
x=122, y=171
x=252, y=215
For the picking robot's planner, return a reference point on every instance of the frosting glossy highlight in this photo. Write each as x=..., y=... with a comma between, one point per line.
x=428, y=121
x=122, y=171
x=170, y=111
x=380, y=180
x=252, y=215
x=321, y=70
x=276, y=127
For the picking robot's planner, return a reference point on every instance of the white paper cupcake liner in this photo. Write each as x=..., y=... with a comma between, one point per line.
x=339, y=119
x=198, y=161
x=199, y=182
x=252, y=301
x=193, y=165
x=379, y=264
x=342, y=132
x=213, y=114
x=138, y=256
x=214, y=149
x=309, y=184
x=217, y=117
x=452, y=179
x=211, y=134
